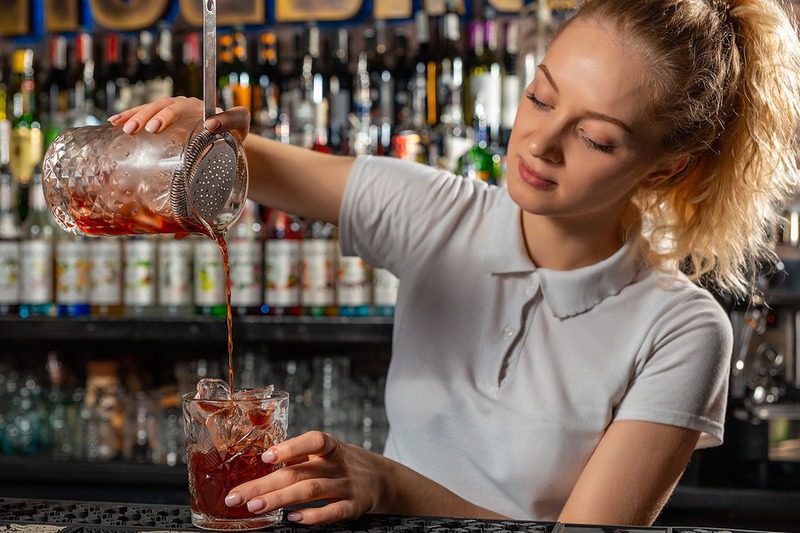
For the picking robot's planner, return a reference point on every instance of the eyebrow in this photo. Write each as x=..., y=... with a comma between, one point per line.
x=590, y=114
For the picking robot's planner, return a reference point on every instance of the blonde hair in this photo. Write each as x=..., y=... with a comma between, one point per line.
x=725, y=84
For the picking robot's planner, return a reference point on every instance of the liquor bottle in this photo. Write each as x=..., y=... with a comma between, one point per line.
x=491, y=78
x=475, y=61
x=403, y=69
x=353, y=286
x=72, y=275
x=139, y=289
x=384, y=292
x=282, y=264
x=245, y=245
x=224, y=69
x=426, y=68
x=266, y=97
x=453, y=134
x=143, y=74
x=340, y=94
x=175, y=276
x=160, y=83
x=362, y=108
x=512, y=85
x=479, y=162
x=105, y=276
x=189, y=81
x=451, y=65
x=209, y=278
x=318, y=270
x=58, y=89
x=321, y=128
x=9, y=229
x=382, y=86
x=37, y=235
x=27, y=139
x=311, y=90
x=239, y=77
x=82, y=109
x=114, y=88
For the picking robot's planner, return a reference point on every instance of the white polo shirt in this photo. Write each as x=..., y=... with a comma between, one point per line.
x=504, y=376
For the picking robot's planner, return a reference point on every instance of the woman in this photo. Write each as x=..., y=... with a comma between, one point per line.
x=550, y=361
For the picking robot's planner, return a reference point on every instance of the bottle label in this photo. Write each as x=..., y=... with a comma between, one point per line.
x=209, y=274
x=72, y=272
x=352, y=282
x=9, y=272
x=317, y=272
x=175, y=272
x=105, y=274
x=140, y=272
x=244, y=257
x=36, y=272
x=281, y=272
x=385, y=285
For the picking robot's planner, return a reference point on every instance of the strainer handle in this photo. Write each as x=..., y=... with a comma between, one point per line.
x=209, y=58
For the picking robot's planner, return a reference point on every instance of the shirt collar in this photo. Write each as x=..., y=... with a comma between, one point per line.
x=567, y=292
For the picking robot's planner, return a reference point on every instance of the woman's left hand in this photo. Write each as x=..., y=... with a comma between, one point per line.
x=348, y=479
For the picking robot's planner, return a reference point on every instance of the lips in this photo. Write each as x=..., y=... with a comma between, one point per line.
x=534, y=179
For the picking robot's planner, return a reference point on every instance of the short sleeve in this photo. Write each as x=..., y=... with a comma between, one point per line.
x=396, y=211
x=684, y=380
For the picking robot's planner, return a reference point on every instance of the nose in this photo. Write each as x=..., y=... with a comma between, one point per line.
x=544, y=142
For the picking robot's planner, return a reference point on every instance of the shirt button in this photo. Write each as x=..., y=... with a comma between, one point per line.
x=508, y=332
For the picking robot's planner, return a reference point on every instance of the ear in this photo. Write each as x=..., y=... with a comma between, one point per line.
x=665, y=170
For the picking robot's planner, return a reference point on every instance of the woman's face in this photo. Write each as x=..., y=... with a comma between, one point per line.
x=581, y=143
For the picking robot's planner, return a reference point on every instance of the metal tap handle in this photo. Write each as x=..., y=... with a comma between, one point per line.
x=209, y=58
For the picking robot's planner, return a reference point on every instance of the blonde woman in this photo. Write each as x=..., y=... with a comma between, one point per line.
x=550, y=360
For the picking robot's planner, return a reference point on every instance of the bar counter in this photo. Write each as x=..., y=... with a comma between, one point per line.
x=55, y=516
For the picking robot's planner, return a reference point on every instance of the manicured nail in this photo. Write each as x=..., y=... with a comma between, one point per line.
x=153, y=125
x=268, y=456
x=113, y=118
x=212, y=124
x=256, y=505
x=232, y=500
x=294, y=517
x=130, y=126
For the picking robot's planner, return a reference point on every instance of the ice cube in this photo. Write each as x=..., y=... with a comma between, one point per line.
x=254, y=394
x=221, y=426
x=212, y=389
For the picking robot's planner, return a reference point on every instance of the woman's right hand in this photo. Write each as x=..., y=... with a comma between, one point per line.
x=157, y=116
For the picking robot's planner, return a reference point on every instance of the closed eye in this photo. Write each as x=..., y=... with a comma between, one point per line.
x=536, y=102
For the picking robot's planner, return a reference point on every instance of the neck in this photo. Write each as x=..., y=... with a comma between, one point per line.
x=564, y=244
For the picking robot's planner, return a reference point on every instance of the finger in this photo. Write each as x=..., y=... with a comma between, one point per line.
x=159, y=115
x=235, y=120
x=305, y=445
x=333, y=512
x=283, y=478
x=302, y=493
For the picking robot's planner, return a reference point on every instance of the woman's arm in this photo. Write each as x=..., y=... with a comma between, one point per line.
x=631, y=474
x=350, y=480
x=285, y=177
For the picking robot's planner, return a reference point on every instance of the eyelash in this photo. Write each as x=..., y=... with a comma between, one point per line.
x=586, y=140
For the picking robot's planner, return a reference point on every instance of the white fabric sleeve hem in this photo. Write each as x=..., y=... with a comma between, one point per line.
x=711, y=431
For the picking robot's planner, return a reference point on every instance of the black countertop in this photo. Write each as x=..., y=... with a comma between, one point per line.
x=56, y=516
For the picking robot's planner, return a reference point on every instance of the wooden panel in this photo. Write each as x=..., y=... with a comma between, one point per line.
x=128, y=15
x=16, y=19
x=508, y=6
x=303, y=10
x=229, y=12
x=437, y=7
x=393, y=9
x=61, y=15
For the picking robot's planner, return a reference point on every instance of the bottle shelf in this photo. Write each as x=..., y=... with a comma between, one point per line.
x=377, y=330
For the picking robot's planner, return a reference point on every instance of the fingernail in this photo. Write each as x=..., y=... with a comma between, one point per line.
x=153, y=125
x=232, y=500
x=255, y=506
x=113, y=118
x=212, y=124
x=268, y=456
x=130, y=126
x=294, y=517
